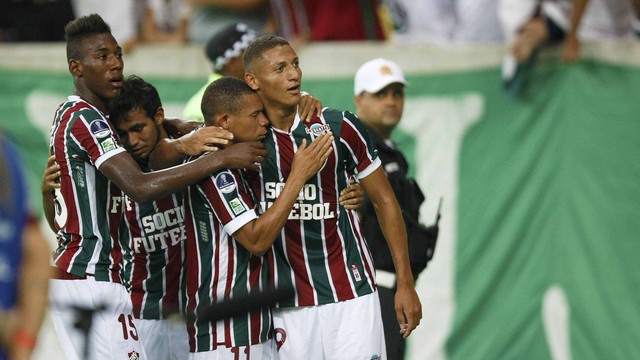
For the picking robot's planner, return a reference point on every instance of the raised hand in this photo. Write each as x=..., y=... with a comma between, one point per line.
x=203, y=139
x=245, y=155
x=308, y=107
x=308, y=160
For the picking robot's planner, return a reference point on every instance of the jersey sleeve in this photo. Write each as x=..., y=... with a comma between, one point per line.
x=96, y=136
x=228, y=196
x=362, y=155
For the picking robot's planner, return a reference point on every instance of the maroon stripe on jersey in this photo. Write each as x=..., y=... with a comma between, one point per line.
x=365, y=253
x=293, y=238
x=228, y=286
x=193, y=269
x=255, y=265
x=357, y=144
x=72, y=225
x=335, y=249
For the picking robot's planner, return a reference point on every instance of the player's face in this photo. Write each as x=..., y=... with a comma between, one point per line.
x=100, y=69
x=248, y=124
x=279, y=76
x=139, y=133
x=382, y=109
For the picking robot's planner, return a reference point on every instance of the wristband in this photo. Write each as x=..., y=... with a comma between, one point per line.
x=23, y=339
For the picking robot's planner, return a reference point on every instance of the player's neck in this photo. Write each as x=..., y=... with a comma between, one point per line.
x=281, y=117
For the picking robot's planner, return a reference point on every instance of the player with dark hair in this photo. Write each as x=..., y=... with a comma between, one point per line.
x=155, y=230
x=95, y=171
x=225, y=236
x=321, y=250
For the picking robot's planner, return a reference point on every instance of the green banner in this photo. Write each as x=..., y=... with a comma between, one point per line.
x=539, y=235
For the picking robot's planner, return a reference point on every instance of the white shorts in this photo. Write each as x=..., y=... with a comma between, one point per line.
x=112, y=332
x=263, y=351
x=349, y=329
x=164, y=339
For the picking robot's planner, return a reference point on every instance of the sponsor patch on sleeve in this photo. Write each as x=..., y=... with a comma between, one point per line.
x=107, y=145
x=237, y=206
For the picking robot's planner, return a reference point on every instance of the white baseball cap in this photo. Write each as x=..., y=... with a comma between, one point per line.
x=376, y=74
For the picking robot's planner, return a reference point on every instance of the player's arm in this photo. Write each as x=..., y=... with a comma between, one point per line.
x=190, y=139
x=33, y=285
x=407, y=303
x=48, y=186
x=571, y=47
x=142, y=187
x=258, y=235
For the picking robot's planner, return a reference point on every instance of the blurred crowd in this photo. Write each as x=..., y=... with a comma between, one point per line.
x=406, y=21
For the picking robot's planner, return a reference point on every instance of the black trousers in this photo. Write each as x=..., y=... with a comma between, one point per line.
x=394, y=341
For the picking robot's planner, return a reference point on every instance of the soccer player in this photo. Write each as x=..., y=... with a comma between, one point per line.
x=321, y=251
x=225, y=236
x=95, y=170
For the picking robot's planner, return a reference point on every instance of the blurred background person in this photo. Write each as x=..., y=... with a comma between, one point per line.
x=24, y=262
x=224, y=51
x=379, y=98
x=161, y=21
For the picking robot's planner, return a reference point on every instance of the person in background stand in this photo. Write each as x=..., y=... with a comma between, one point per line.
x=379, y=98
x=24, y=269
x=224, y=50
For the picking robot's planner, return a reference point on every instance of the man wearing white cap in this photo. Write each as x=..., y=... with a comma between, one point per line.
x=379, y=98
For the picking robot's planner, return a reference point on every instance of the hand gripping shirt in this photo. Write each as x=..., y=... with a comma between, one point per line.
x=87, y=214
x=321, y=250
x=219, y=267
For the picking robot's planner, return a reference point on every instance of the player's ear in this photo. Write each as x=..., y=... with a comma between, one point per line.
x=159, y=116
x=252, y=81
x=75, y=68
x=223, y=121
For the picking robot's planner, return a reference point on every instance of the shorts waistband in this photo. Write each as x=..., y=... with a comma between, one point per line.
x=60, y=274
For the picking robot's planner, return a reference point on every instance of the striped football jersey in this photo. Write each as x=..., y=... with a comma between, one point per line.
x=321, y=250
x=220, y=268
x=156, y=234
x=87, y=211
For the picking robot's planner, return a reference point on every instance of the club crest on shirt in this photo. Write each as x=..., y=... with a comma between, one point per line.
x=225, y=182
x=99, y=128
x=318, y=129
x=133, y=355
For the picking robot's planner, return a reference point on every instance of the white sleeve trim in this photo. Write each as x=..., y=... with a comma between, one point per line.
x=240, y=221
x=369, y=169
x=106, y=156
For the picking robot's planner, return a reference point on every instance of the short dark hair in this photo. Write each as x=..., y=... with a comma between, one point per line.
x=259, y=46
x=223, y=95
x=135, y=94
x=80, y=28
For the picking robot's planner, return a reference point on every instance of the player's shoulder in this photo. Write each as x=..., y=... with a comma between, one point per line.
x=337, y=115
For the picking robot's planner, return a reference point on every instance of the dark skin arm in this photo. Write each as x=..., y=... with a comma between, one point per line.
x=407, y=303
x=258, y=235
x=142, y=187
x=48, y=187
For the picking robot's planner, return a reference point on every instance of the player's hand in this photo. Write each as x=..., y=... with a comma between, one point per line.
x=352, y=196
x=571, y=49
x=177, y=127
x=203, y=139
x=308, y=160
x=246, y=155
x=309, y=106
x=51, y=176
x=408, y=309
